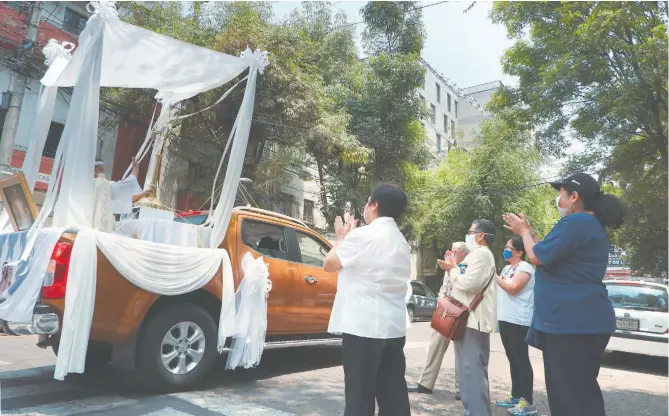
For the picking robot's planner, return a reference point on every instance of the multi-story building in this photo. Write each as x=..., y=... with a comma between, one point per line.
x=473, y=112
x=442, y=103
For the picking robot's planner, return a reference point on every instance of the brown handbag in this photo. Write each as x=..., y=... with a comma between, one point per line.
x=451, y=316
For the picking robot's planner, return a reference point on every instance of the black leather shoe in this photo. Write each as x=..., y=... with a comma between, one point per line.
x=419, y=389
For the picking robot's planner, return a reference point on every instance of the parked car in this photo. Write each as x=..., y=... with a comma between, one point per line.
x=642, y=316
x=134, y=329
x=422, y=303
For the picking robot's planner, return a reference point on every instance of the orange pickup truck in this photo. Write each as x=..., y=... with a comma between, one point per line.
x=169, y=342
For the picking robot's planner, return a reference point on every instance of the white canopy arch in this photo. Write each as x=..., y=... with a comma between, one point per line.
x=113, y=53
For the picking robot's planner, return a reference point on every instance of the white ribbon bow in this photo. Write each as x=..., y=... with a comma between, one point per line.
x=104, y=9
x=55, y=49
x=259, y=56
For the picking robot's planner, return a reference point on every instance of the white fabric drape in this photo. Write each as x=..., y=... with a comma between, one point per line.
x=221, y=216
x=158, y=268
x=251, y=299
x=134, y=57
x=57, y=55
x=160, y=231
x=18, y=300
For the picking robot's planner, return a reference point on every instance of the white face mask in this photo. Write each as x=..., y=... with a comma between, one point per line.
x=100, y=175
x=563, y=211
x=470, y=241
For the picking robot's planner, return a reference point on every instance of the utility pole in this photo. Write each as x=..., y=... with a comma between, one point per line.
x=18, y=90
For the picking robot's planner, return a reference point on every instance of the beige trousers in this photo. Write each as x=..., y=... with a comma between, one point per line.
x=435, y=356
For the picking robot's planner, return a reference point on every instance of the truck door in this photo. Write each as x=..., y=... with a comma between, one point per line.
x=316, y=287
x=269, y=240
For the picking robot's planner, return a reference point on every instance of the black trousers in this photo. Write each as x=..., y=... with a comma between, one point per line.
x=517, y=351
x=571, y=364
x=374, y=369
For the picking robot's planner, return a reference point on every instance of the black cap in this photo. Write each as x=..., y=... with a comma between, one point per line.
x=582, y=183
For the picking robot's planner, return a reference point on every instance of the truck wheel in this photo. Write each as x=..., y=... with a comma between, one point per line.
x=177, y=348
x=98, y=354
x=411, y=312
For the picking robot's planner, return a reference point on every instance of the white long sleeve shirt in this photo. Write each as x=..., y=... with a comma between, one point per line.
x=372, y=283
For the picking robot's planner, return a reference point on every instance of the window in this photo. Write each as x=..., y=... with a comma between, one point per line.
x=74, y=22
x=308, y=214
x=53, y=139
x=438, y=92
x=417, y=289
x=438, y=142
x=266, y=239
x=433, y=117
x=448, y=102
x=286, y=205
x=445, y=123
x=313, y=252
x=456, y=109
x=452, y=128
x=429, y=292
x=638, y=297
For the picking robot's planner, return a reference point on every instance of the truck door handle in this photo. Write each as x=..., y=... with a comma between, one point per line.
x=311, y=280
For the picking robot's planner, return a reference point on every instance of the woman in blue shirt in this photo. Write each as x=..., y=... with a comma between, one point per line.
x=573, y=317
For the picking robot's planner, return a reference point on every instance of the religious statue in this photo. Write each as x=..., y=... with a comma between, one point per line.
x=115, y=197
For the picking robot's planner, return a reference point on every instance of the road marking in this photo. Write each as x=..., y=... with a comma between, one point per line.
x=4, y=363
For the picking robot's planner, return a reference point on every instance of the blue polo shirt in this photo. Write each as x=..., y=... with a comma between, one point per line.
x=569, y=295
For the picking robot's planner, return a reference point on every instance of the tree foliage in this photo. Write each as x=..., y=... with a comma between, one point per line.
x=597, y=71
x=499, y=175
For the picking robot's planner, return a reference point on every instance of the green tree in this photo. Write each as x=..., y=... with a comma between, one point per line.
x=597, y=71
x=499, y=175
x=386, y=112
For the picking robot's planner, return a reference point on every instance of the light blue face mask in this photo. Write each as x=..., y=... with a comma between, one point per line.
x=507, y=254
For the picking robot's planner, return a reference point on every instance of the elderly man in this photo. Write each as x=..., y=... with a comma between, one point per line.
x=114, y=197
x=439, y=344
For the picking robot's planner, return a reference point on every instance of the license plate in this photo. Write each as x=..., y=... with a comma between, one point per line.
x=627, y=324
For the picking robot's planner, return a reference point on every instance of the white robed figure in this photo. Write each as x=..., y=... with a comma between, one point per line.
x=115, y=197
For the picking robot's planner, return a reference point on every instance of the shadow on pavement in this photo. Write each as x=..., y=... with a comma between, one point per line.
x=635, y=362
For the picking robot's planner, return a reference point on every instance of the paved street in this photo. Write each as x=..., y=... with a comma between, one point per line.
x=306, y=381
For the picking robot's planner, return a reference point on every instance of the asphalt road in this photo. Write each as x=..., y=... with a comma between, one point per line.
x=304, y=381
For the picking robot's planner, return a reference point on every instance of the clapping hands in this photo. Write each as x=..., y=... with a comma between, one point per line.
x=449, y=261
x=341, y=229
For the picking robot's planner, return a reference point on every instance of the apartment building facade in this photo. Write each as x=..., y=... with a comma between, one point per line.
x=442, y=103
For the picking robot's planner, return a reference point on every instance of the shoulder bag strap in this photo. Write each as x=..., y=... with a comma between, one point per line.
x=479, y=296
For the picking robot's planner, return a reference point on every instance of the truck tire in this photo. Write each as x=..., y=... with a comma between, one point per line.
x=98, y=354
x=176, y=349
x=412, y=313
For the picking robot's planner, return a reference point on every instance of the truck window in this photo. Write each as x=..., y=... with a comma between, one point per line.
x=267, y=239
x=313, y=252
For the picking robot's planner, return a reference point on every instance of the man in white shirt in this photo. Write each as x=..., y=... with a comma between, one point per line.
x=369, y=310
x=472, y=352
x=114, y=197
x=439, y=344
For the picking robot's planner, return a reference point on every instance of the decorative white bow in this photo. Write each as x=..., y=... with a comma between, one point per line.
x=104, y=9
x=259, y=56
x=55, y=49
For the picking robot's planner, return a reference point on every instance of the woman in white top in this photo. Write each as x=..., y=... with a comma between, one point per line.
x=515, y=306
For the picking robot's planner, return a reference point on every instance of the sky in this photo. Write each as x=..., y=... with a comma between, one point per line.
x=464, y=47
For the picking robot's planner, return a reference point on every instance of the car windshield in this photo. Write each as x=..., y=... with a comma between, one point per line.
x=195, y=219
x=638, y=297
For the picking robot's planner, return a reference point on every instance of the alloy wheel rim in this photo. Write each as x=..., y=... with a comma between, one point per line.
x=182, y=348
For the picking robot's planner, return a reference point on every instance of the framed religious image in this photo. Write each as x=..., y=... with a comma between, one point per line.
x=18, y=201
